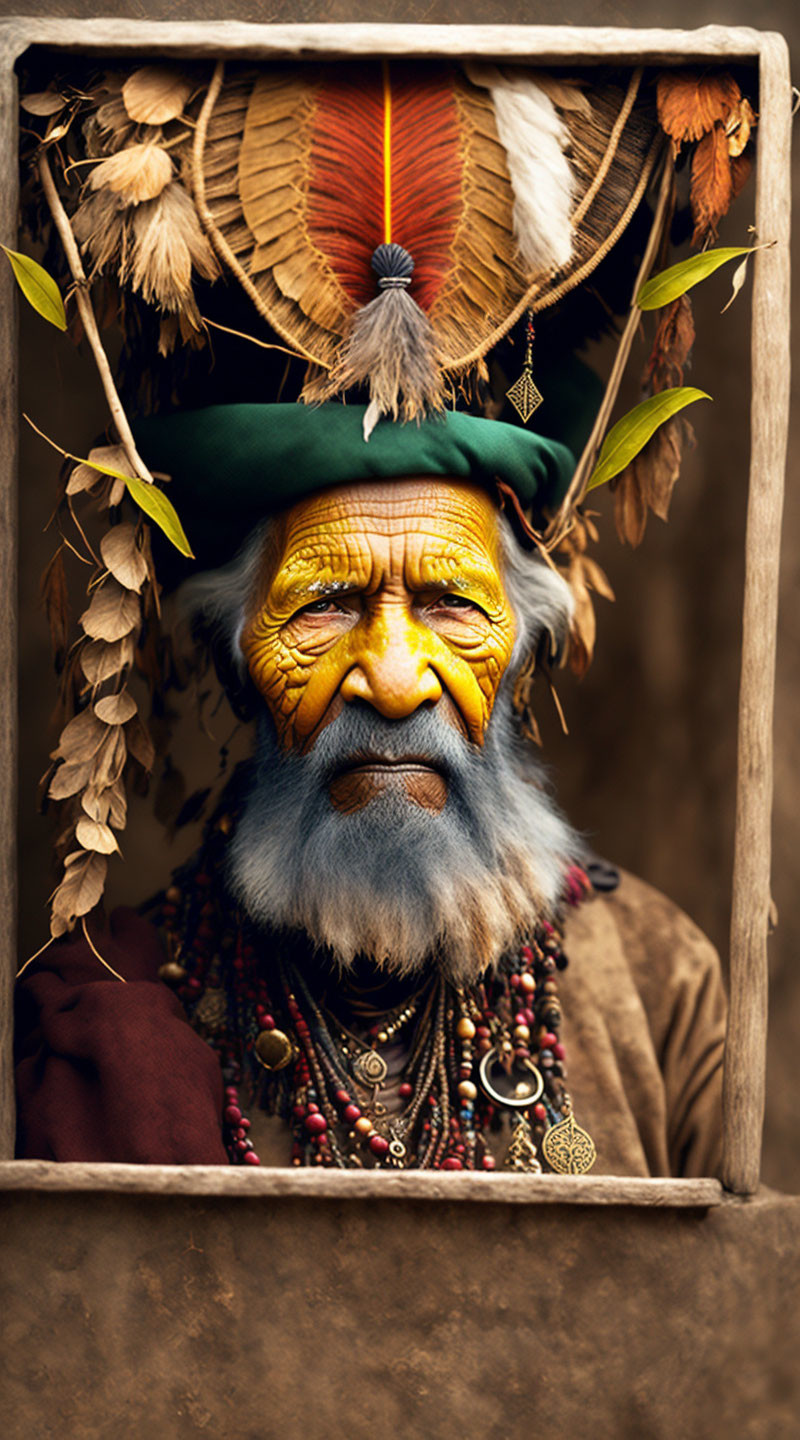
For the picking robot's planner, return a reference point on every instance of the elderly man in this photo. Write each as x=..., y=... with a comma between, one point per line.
x=373, y=938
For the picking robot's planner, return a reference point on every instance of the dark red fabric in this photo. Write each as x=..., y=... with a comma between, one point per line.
x=107, y=1071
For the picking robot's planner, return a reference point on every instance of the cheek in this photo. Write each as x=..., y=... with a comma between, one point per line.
x=471, y=664
x=297, y=674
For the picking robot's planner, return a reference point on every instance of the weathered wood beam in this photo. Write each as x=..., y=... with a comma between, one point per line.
x=277, y=1184
x=746, y=1044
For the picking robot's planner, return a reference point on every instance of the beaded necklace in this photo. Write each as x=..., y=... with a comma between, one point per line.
x=473, y=1053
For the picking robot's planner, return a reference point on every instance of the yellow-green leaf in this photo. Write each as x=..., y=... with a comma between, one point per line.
x=148, y=497
x=39, y=288
x=670, y=284
x=155, y=504
x=630, y=434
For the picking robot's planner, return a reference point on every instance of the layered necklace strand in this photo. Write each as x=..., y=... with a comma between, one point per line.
x=473, y=1053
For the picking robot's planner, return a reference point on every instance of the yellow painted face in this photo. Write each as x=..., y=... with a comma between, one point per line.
x=387, y=593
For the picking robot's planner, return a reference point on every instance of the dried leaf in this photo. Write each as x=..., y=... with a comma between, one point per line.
x=96, y=804
x=110, y=759
x=39, y=288
x=70, y=779
x=137, y=173
x=739, y=277
x=123, y=557
x=118, y=811
x=116, y=709
x=116, y=494
x=692, y=102
x=55, y=598
x=672, y=346
x=113, y=612
x=630, y=434
x=44, y=102
x=81, y=887
x=741, y=166
x=711, y=188
x=738, y=127
x=140, y=745
x=100, y=660
x=630, y=510
x=155, y=94
x=93, y=835
x=83, y=477
x=80, y=739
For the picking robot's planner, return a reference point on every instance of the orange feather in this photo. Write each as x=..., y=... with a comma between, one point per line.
x=347, y=208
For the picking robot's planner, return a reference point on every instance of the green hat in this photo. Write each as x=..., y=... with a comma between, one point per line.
x=231, y=465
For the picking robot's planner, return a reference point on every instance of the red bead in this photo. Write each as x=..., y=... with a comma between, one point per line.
x=540, y=1112
x=488, y=1162
x=549, y=1040
x=452, y=1163
x=559, y=1052
x=299, y=1112
x=342, y=1098
x=405, y=1090
x=515, y=982
x=251, y=1158
x=245, y=1125
x=316, y=1124
x=378, y=1145
x=233, y=1114
x=312, y=1108
x=352, y=1113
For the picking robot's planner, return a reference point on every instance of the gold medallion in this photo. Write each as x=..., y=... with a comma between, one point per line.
x=369, y=1068
x=568, y=1149
x=273, y=1049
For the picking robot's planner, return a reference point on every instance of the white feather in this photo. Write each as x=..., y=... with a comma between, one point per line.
x=534, y=138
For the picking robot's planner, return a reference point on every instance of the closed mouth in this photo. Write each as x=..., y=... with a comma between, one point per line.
x=391, y=764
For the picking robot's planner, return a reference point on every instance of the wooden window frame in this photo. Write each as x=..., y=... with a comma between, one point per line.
x=745, y=1047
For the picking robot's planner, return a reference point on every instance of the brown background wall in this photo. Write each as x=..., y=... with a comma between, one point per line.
x=649, y=766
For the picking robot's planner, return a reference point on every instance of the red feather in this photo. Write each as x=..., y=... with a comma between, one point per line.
x=346, y=174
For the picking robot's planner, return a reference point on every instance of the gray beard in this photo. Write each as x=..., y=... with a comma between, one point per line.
x=394, y=882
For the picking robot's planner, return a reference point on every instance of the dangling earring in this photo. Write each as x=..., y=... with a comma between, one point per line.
x=523, y=394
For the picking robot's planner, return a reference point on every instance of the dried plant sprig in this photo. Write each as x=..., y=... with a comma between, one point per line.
x=98, y=741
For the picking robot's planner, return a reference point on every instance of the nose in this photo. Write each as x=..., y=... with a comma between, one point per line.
x=392, y=668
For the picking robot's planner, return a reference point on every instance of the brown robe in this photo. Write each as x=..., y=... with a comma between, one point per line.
x=113, y=1072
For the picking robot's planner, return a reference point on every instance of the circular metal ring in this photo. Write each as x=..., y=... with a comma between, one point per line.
x=512, y=1102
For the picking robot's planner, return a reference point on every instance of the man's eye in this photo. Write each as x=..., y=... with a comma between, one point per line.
x=456, y=602
x=325, y=606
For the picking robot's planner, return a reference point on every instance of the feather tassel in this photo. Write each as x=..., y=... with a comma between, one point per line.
x=391, y=345
x=535, y=139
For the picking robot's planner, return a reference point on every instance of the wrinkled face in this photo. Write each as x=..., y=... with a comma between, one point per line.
x=385, y=593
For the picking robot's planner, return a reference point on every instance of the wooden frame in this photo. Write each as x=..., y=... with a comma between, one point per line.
x=745, y=1053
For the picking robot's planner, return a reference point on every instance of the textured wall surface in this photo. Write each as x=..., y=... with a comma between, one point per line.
x=313, y=1320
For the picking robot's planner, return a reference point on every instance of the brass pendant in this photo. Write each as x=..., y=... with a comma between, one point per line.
x=369, y=1068
x=521, y=1154
x=523, y=394
x=273, y=1049
x=568, y=1149
x=516, y=1090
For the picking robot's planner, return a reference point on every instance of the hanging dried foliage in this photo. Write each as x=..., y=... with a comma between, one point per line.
x=104, y=733
x=707, y=109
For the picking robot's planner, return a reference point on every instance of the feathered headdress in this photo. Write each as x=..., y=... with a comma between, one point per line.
x=392, y=221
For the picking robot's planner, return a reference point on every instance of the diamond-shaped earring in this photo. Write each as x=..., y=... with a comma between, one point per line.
x=524, y=394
